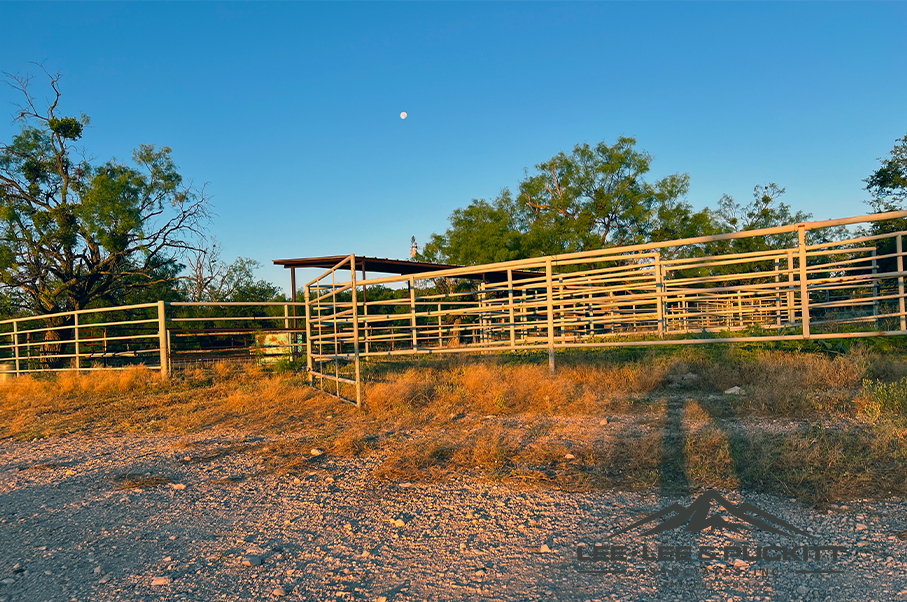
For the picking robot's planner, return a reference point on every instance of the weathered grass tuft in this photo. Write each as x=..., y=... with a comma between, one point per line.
x=506, y=418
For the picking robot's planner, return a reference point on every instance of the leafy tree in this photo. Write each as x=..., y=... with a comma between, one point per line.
x=888, y=184
x=594, y=197
x=483, y=232
x=888, y=187
x=73, y=234
x=764, y=211
x=210, y=279
x=598, y=197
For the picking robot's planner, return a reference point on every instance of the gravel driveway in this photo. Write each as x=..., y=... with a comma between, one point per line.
x=222, y=528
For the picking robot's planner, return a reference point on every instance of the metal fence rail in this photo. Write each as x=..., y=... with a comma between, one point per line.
x=678, y=292
x=652, y=294
x=158, y=335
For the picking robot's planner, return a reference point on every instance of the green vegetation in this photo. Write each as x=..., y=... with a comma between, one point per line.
x=598, y=197
x=77, y=235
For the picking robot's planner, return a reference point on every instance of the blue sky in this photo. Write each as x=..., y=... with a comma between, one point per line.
x=290, y=111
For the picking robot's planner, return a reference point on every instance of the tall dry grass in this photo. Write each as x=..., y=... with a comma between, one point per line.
x=507, y=418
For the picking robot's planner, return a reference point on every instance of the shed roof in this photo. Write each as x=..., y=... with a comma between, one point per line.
x=397, y=266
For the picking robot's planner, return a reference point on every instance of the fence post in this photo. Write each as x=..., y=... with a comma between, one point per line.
x=510, y=307
x=76, y=337
x=412, y=311
x=550, y=315
x=804, y=291
x=791, y=318
x=659, y=289
x=875, y=289
x=308, y=336
x=162, y=338
x=355, y=330
x=900, y=250
x=16, y=344
x=440, y=328
x=778, y=289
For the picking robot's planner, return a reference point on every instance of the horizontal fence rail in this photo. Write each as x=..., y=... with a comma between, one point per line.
x=158, y=335
x=652, y=294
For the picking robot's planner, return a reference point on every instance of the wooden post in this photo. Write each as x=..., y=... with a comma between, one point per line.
x=659, y=289
x=550, y=316
x=412, y=311
x=900, y=249
x=355, y=331
x=16, y=344
x=308, y=336
x=162, y=338
x=510, y=306
x=76, y=338
x=804, y=291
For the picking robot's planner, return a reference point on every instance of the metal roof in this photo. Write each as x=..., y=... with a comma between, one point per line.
x=397, y=266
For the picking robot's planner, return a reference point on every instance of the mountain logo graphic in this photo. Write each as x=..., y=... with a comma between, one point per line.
x=697, y=519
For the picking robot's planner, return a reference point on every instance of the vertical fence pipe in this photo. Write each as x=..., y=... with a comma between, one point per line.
x=364, y=311
x=162, y=338
x=308, y=336
x=510, y=306
x=355, y=330
x=550, y=290
x=16, y=344
x=76, y=338
x=875, y=289
x=778, y=290
x=900, y=249
x=804, y=291
x=791, y=318
x=483, y=321
x=659, y=297
x=440, y=328
x=412, y=310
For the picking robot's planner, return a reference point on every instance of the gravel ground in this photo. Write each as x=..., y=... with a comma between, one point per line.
x=223, y=529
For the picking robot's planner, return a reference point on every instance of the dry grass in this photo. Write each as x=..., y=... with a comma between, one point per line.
x=139, y=481
x=506, y=418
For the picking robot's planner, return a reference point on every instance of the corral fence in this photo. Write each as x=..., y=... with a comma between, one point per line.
x=677, y=292
x=785, y=283
x=160, y=335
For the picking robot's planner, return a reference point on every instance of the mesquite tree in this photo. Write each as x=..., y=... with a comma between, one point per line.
x=74, y=234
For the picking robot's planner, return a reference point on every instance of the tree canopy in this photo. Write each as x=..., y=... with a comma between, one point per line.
x=598, y=197
x=888, y=184
x=73, y=233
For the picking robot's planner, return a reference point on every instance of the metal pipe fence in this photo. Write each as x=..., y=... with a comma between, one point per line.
x=653, y=294
x=691, y=291
x=160, y=335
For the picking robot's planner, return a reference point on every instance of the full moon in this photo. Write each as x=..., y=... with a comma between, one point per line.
x=403, y=115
